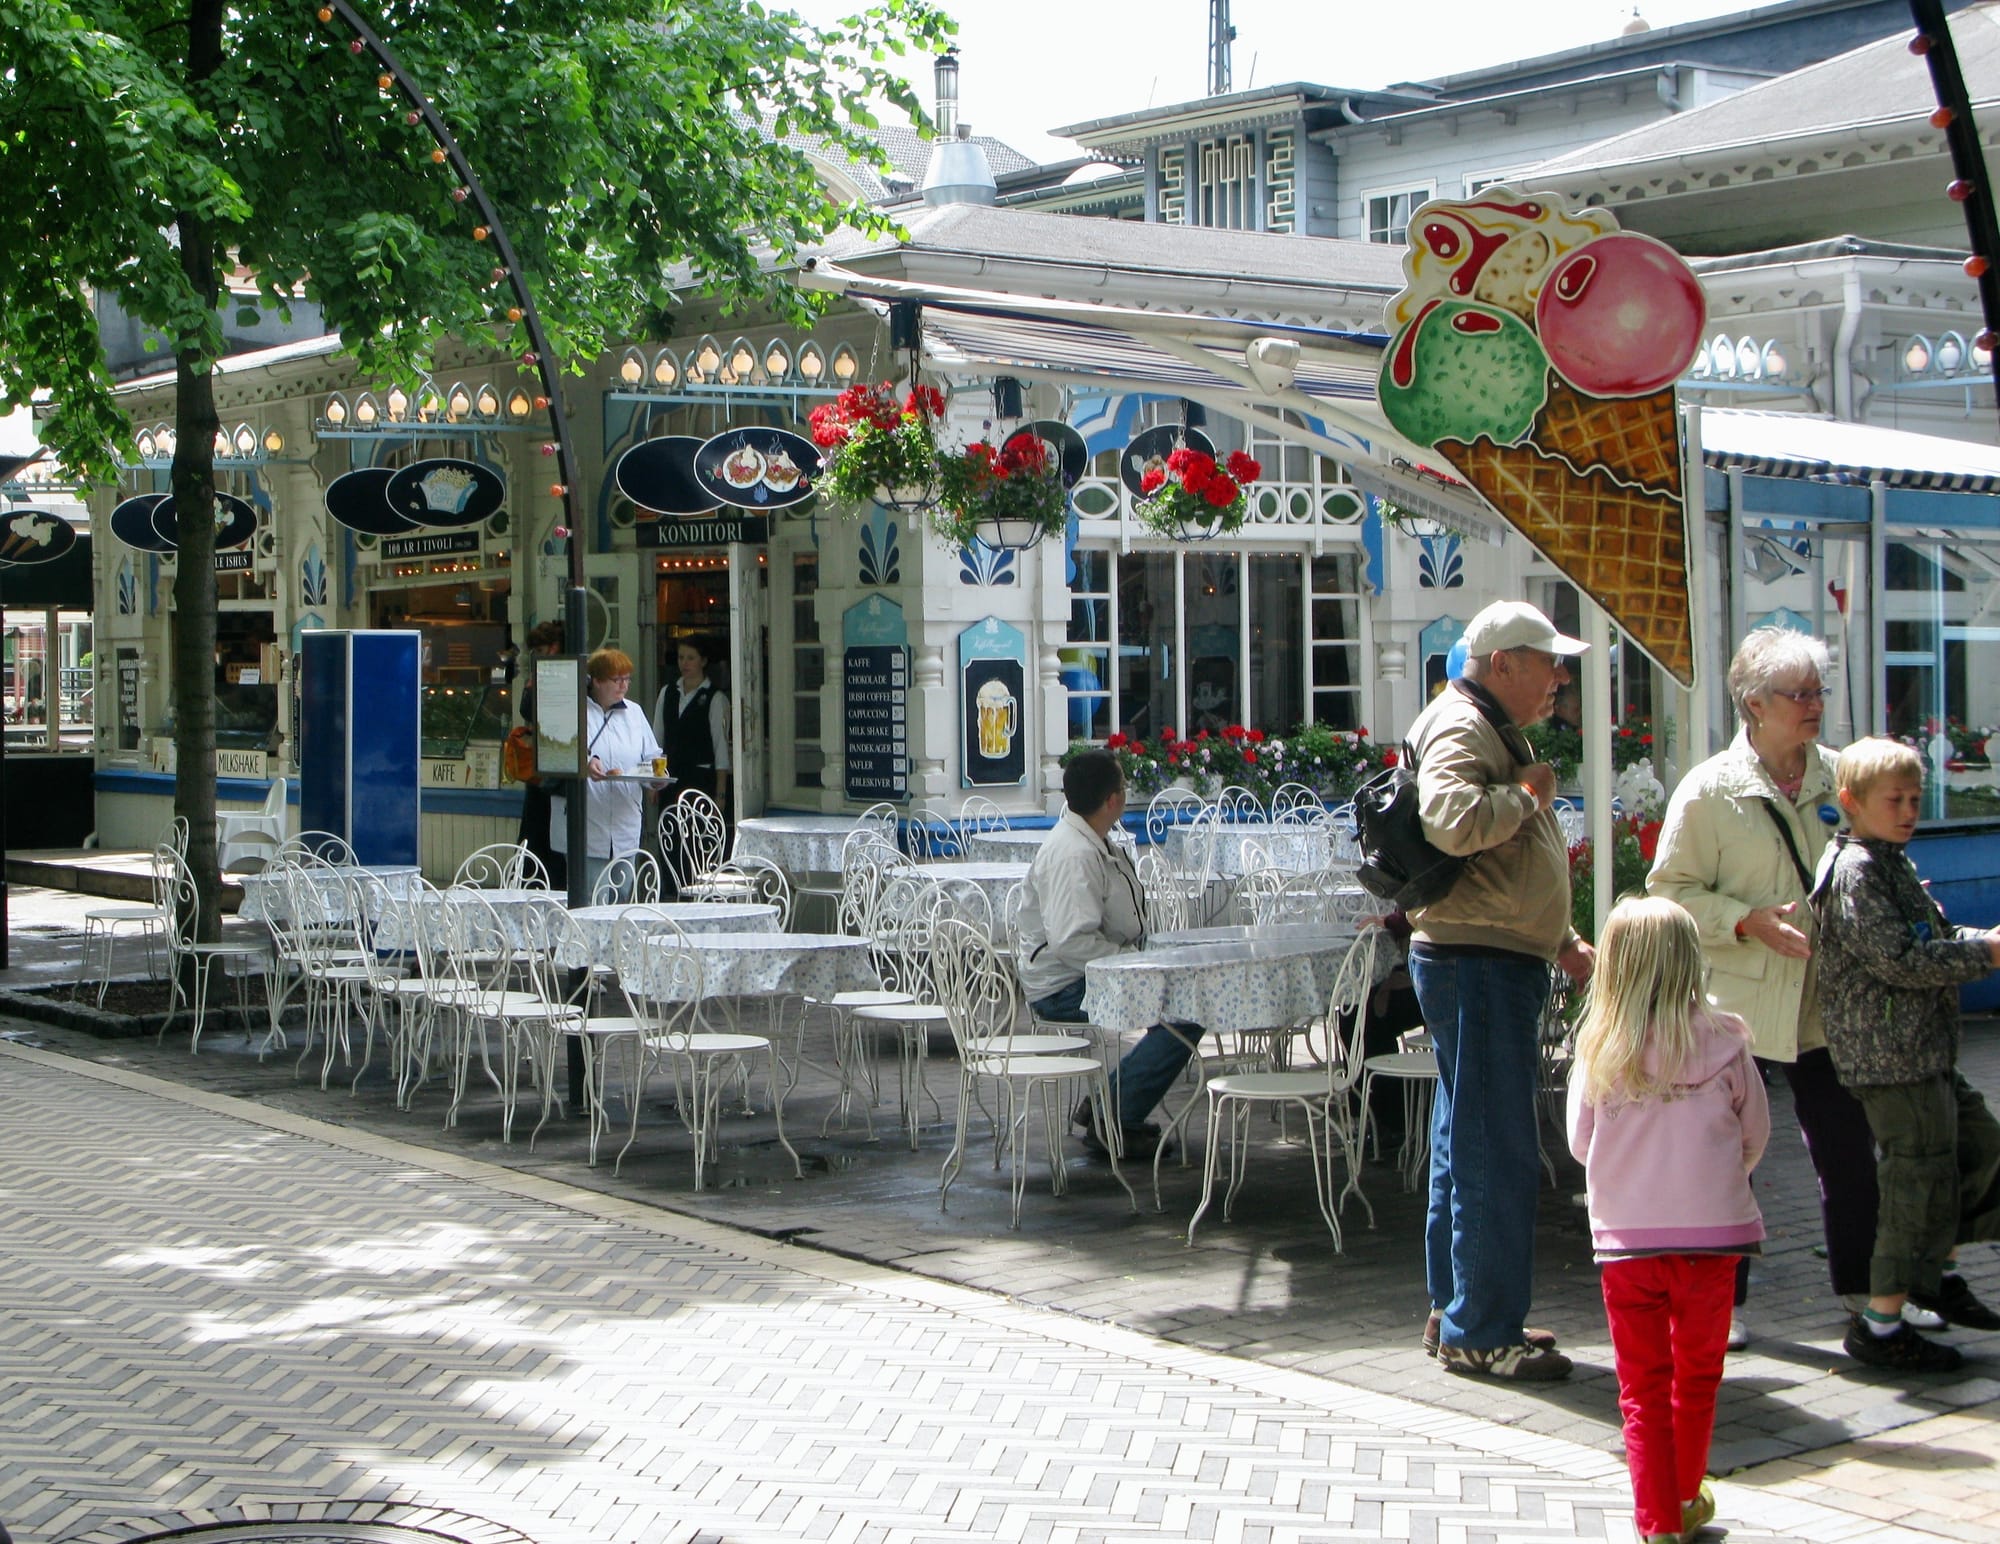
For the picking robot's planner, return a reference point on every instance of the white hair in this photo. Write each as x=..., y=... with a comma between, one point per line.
x=1770, y=657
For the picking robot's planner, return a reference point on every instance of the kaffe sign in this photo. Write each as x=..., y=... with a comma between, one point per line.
x=875, y=690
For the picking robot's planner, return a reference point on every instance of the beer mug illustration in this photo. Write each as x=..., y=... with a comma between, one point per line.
x=999, y=718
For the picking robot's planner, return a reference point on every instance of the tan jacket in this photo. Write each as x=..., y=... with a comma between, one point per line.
x=1515, y=893
x=1720, y=856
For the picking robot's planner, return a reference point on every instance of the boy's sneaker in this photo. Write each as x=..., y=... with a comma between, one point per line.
x=1954, y=1303
x=1541, y=1340
x=1521, y=1364
x=1903, y=1351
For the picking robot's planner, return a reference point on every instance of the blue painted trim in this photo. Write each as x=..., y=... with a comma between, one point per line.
x=437, y=801
x=472, y=801
x=249, y=789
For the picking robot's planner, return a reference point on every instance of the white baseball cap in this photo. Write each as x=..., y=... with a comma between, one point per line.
x=1514, y=624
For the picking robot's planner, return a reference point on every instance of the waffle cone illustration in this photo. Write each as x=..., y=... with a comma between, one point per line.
x=1635, y=440
x=1625, y=547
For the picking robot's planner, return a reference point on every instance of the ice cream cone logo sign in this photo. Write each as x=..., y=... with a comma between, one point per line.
x=1536, y=350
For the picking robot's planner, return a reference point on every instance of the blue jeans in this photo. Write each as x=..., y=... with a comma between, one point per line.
x=1484, y=1014
x=1144, y=1073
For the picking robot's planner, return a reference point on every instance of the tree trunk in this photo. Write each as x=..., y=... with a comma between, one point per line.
x=193, y=482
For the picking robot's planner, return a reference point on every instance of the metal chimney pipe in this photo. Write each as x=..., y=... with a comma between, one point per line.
x=947, y=94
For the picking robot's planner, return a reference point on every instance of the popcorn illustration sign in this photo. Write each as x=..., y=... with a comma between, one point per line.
x=444, y=493
x=1536, y=350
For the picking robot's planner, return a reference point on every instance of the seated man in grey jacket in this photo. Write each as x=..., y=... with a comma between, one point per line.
x=1083, y=902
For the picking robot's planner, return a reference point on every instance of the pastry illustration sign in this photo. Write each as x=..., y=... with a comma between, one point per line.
x=1536, y=349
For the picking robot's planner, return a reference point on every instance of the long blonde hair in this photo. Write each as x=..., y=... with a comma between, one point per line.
x=1644, y=994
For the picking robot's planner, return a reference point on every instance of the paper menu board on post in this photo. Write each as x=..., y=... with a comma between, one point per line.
x=559, y=699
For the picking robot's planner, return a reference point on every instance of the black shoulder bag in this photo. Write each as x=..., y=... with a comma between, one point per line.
x=1399, y=864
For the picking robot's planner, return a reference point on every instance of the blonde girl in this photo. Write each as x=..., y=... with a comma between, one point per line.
x=1668, y=1117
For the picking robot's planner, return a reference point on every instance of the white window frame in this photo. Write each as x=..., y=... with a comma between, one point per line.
x=1418, y=193
x=1478, y=182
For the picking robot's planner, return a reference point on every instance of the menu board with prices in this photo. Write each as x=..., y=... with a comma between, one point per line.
x=875, y=700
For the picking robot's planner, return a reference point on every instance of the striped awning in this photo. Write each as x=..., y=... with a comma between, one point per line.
x=1827, y=450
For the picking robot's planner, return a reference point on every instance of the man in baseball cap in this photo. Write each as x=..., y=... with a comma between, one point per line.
x=1480, y=957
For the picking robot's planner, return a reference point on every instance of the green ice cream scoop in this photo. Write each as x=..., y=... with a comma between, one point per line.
x=1458, y=370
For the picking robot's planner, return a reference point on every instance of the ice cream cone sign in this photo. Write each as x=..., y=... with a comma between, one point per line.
x=1536, y=348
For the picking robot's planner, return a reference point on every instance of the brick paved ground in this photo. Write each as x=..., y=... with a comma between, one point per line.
x=219, y=1310
x=1265, y=1287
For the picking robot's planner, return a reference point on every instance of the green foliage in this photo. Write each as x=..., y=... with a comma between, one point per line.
x=630, y=145
x=1331, y=762
x=1560, y=746
x=980, y=483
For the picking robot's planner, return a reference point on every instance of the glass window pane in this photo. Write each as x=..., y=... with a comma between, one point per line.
x=1146, y=663
x=1277, y=643
x=1214, y=641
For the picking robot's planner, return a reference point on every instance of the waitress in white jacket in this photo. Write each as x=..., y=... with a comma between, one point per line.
x=620, y=751
x=1082, y=901
x=1742, y=840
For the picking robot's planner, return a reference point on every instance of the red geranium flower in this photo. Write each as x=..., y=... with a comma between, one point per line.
x=925, y=402
x=1220, y=492
x=1256, y=736
x=1243, y=468
x=1250, y=757
x=1153, y=480
x=1390, y=758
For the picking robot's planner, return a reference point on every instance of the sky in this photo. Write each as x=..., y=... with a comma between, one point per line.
x=1033, y=65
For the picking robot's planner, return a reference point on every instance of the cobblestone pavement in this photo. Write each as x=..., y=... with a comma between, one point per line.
x=218, y=1310
x=1264, y=1288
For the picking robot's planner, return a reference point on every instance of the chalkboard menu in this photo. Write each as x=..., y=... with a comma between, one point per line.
x=128, y=699
x=875, y=695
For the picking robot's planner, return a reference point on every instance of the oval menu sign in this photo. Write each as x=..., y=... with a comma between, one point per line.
x=659, y=475
x=235, y=522
x=359, y=500
x=34, y=536
x=446, y=493
x=132, y=523
x=757, y=468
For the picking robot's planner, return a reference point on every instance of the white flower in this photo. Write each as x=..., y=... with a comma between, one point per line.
x=1638, y=791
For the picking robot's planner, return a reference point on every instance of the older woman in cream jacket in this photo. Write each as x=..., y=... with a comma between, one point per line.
x=1741, y=843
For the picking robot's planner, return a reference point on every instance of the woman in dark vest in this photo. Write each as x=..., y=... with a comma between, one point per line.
x=691, y=722
x=544, y=641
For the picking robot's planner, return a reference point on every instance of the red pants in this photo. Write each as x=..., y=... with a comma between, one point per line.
x=1669, y=1327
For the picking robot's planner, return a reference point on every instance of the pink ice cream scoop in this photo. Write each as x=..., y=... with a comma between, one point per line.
x=1621, y=316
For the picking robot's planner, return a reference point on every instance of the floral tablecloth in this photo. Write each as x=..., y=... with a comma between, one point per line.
x=798, y=844
x=1005, y=846
x=600, y=923
x=783, y=964
x=264, y=898
x=1297, y=849
x=1220, y=978
x=991, y=880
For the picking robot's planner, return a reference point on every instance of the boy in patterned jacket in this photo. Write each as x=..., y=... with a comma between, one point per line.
x=1890, y=967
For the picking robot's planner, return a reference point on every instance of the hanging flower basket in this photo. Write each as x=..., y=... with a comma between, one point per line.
x=1008, y=498
x=873, y=448
x=1194, y=499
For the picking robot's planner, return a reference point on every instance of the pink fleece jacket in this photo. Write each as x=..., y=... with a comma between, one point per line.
x=1672, y=1174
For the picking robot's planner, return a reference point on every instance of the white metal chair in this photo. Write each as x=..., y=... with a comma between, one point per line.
x=981, y=998
x=1294, y=803
x=661, y=977
x=865, y=867
x=1323, y=1095
x=101, y=926
x=316, y=846
x=1414, y=1065
x=482, y=958
x=1237, y=805
x=501, y=866
x=693, y=839
x=979, y=814
x=631, y=876
x=187, y=953
x=906, y=917
x=233, y=825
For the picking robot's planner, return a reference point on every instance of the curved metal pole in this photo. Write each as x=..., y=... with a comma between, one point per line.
x=1969, y=187
x=539, y=355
